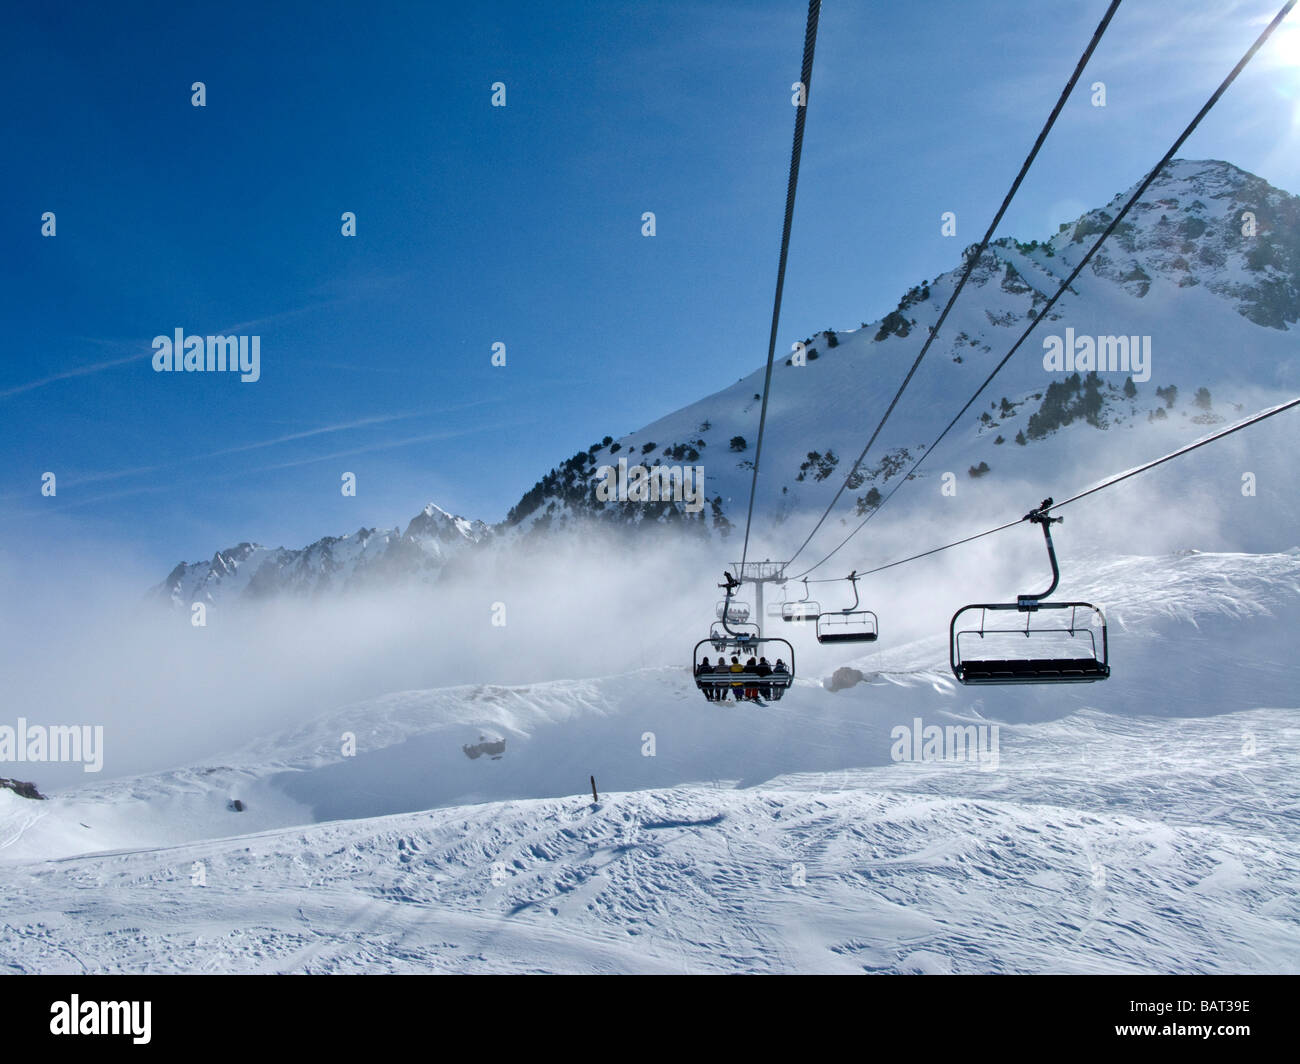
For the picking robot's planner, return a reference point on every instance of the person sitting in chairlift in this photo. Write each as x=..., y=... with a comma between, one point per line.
x=764, y=669
x=722, y=667
x=751, y=691
x=708, y=689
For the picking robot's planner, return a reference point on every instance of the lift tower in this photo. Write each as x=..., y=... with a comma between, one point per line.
x=758, y=574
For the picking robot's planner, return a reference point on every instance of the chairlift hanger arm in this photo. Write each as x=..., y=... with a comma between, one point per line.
x=730, y=586
x=1042, y=517
x=853, y=579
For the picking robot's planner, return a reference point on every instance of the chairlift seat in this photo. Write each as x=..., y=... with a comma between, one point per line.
x=1032, y=670
x=1036, y=629
x=773, y=649
x=743, y=679
x=738, y=612
x=847, y=626
x=847, y=637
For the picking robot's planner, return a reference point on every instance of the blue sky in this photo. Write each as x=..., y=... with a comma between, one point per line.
x=519, y=224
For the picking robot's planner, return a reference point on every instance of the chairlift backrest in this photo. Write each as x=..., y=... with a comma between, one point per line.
x=744, y=648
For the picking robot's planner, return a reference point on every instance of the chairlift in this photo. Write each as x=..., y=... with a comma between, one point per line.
x=720, y=636
x=801, y=610
x=1057, y=643
x=734, y=612
x=778, y=652
x=850, y=625
x=741, y=640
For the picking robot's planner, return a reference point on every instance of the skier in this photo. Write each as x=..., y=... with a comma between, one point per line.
x=764, y=669
x=722, y=667
x=737, y=689
x=700, y=669
x=779, y=669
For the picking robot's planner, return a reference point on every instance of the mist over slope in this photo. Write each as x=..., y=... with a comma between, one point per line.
x=1148, y=824
x=576, y=589
x=1192, y=635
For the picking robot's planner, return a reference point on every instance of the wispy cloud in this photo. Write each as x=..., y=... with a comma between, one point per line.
x=347, y=426
x=121, y=474
x=113, y=363
x=66, y=504
x=383, y=445
x=360, y=423
x=80, y=371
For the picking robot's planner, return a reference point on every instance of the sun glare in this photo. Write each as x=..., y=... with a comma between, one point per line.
x=1288, y=43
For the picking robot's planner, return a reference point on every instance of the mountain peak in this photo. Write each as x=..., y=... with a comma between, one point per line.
x=434, y=521
x=1217, y=243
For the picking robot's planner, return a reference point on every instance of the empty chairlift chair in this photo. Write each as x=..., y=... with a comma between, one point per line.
x=851, y=625
x=801, y=610
x=1046, y=642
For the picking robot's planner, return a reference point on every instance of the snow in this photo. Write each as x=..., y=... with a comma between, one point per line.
x=866, y=873
x=1199, y=335
x=1147, y=824
x=328, y=565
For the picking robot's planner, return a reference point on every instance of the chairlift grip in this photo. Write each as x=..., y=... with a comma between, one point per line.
x=1029, y=603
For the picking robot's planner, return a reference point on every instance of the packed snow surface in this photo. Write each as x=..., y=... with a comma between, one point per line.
x=1145, y=824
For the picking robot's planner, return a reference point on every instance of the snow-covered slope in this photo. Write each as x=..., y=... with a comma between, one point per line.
x=1149, y=823
x=908, y=869
x=1220, y=309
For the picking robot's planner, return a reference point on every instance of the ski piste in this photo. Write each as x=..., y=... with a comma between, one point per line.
x=349, y=623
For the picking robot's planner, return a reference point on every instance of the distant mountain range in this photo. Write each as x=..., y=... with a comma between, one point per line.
x=1201, y=283
x=335, y=563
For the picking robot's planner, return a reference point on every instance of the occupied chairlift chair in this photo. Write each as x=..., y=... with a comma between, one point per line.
x=1065, y=652
x=734, y=612
x=851, y=625
x=742, y=640
x=722, y=635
